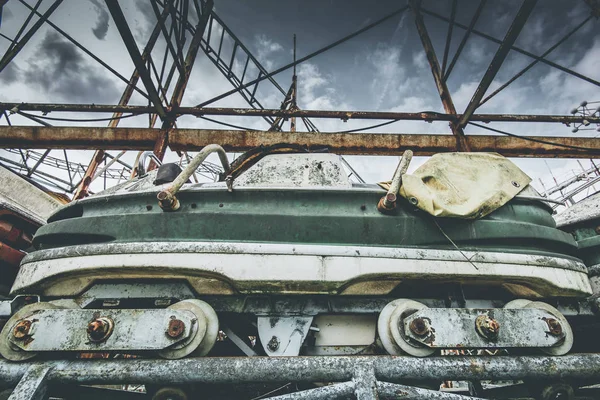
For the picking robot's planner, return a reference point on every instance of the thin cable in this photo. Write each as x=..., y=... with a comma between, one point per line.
x=454, y=244
x=226, y=124
x=77, y=120
x=366, y=128
x=531, y=139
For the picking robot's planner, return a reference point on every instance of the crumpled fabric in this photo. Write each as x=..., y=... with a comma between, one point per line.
x=463, y=185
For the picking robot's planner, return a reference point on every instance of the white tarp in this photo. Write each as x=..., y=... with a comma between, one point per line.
x=463, y=185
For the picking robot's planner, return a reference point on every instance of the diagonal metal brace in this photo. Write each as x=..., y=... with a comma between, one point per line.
x=33, y=384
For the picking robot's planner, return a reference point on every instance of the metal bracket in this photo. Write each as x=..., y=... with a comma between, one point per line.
x=101, y=330
x=8, y=307
x=283, y=336
x=483, y=328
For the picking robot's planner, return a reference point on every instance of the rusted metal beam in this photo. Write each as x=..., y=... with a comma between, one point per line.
x=341, y=143
x=457, y=131
x=343, y=115
x=510, y=38
x=136, y=57
x=161, y=144
x=14, y=50
x=98, y=157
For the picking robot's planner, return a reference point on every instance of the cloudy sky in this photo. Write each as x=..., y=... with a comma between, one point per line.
x=384, y=69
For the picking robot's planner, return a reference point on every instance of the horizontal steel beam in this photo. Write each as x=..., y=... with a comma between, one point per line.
x=343, y=115
x=234, y=370
x=342, y=143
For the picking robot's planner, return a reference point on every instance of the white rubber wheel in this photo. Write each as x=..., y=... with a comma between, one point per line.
x=567, y=343
x=204, y=331
x=564, y=347
x=9, y=350
x=516, y=304
x=391, y=329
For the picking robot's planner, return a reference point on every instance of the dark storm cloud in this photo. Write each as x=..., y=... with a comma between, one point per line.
x=61, y=70
x=102, y=23
x=10, y=74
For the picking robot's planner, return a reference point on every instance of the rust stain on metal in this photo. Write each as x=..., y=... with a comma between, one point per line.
x=487, y=327
x=21, y=330
x=420, y=326
x=176, y=328
x=555, y=328
x=100, y=329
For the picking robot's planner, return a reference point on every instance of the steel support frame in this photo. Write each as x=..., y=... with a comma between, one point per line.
x=426, y=116
x=341, y=143
x=501, y=54
x=18, y=46
x=161, y=144
x=136, y=57
x=440, y=83
x=364, y=375
x=515, y=48
x=90, y=173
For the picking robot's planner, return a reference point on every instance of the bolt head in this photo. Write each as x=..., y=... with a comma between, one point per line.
x=273, y=344
x=100, y=329
x=176, y=328
x=22, y=329
x=554, y=327
x=487, y=327
x=420, y=326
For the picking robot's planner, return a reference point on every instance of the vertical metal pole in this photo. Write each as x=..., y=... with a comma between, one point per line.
x=294, y=91
x=461, y=141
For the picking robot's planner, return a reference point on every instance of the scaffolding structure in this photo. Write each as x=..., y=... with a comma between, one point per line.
x=188, y=27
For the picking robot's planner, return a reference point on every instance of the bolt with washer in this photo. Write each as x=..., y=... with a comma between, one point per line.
x=273, y=344
x=22, y=329
x=420, y=326
x=176, y=328
x=487, y=327
x=100, y=329
x=554, y=327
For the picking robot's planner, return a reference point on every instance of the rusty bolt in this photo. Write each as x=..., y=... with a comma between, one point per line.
x=21, y=330
x=487, y=327
x=176, y=328
x=100, y=329
x=273, y=343
x=555, y=328
x=420, y=326
x=597, y=230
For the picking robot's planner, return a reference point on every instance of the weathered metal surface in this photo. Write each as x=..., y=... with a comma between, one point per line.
x=33, y=385
x=340, y=391
x=308, y=269
x=506, y=328
x=283, y=335
x=342, y=143
x=83, y=330
x=299, y=113
x=295, y=170
x=233, y=370
x=24, y=199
